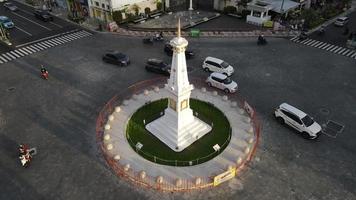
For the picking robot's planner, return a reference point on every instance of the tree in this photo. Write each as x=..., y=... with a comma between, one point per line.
x=117, y=16
x=135, y=8
x=147, y=10
x=159, y=4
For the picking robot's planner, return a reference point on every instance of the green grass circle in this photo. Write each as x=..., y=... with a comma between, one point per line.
x=200, y=151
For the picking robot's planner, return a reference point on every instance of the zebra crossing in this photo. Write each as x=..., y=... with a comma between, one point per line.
x=43, y=44
x=326, y=46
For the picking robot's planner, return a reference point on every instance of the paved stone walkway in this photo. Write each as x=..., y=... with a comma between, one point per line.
x=241, y=143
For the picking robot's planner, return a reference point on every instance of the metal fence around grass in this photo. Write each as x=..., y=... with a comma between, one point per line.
x=162, y=183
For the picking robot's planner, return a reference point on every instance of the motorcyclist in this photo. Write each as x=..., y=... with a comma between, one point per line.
x=261, y=39
x=161, y=34
x=43, y=70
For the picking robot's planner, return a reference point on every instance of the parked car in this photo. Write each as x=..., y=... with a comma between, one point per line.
x=341, y=21
x=10, y=6
x=1, y=1
x=6, y=22
x=222, y=82
x=43, y=15
x=212, y=64
x=297, y=119
x=169, y=51
x=116, y=58
x=158, y=66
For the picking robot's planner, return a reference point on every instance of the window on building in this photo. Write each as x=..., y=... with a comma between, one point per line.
x=91, y=2
x=103, y=5
x=96, y=3
x=108, y=7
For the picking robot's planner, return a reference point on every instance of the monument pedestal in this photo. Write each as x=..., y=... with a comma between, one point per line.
x=178, y=135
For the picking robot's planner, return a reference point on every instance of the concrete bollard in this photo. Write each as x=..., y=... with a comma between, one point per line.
x=179, y=182
x=134, y=97
x=107, y=137
x=239, y=161
x=156, y=89
x=242, y=111
x=215, y=93
x=145, y=92
x=127, y=167
x=250, y=130
x=125, y=102
x=198, y=181
x=111, y=117
x=117, y=109
x=107, y=127
x=225, y=98
x=142, y=174
x=233, y=104
x=247, y=150
x=117, y=157
x=159, y=179
x=203, y=89
x=250, y=140
x=248, y=120
x=109, y=147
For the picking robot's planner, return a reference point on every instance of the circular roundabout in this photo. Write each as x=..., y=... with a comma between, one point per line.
x=153, y=166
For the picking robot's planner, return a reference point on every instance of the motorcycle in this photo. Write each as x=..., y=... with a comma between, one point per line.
x=302, y=36
x=158, y=38
x=321, y=31
x=26, y=154
x=148, y=40
x=44, y=73
x=261, y=41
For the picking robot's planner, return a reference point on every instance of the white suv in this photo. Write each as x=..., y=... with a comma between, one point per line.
x=341, y=21
x=298, y=120
x=222, y=82
x=211, y=64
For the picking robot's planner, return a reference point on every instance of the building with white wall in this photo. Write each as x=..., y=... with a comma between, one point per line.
x=102, y=9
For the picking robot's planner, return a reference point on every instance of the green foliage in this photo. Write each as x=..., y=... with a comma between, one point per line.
x=152, y=146
x=312, y=18
x=117, y=16
x=230, y=10
x=31, y=2
x=147, y=10
x=75, y=19
x=159, y=5
x=135, y=8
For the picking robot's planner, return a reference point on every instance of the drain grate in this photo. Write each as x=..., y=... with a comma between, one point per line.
x=333, y=128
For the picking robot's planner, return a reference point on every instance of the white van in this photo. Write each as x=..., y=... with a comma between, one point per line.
x=212, y=64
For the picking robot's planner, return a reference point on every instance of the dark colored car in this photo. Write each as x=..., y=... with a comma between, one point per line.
x=169, y=51
x=10, y=6
x=158, y=66
x=116, y=58
x=43, y=15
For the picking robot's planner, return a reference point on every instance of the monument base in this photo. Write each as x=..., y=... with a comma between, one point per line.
x=178, y=139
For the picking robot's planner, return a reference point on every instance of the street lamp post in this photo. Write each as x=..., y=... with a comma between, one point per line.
x=190, y=5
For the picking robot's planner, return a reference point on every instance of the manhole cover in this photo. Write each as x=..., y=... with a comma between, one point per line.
x=333, y=128
x=324, y=111
x=11, y=89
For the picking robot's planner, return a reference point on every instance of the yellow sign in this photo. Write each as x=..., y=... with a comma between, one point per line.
x=229, y=174
x=268, y=24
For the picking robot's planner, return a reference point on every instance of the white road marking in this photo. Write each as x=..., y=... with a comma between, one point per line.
x=350, y=53
x=29, y=49
x=23, y=30
x=18, y=52
x=24, y=52
x=7, y=57
x=2, y=58
x=15, y=54
x=319, y=45
x=56, y=25
x=338, y=49
x=31, y=21
x=328, y=45
x=24, y=44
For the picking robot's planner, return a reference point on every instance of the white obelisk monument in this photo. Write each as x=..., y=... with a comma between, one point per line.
x=178, y=127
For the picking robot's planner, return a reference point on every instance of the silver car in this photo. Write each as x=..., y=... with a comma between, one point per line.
x=222, y=82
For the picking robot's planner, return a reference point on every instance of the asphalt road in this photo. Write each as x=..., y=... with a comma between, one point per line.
x=335, y=34
x=58, y=117
x=28, y=28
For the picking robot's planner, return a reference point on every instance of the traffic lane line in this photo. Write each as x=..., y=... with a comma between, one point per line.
x=54, y=17
x=32, y=21
x=56, y=24
x=17, y=27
